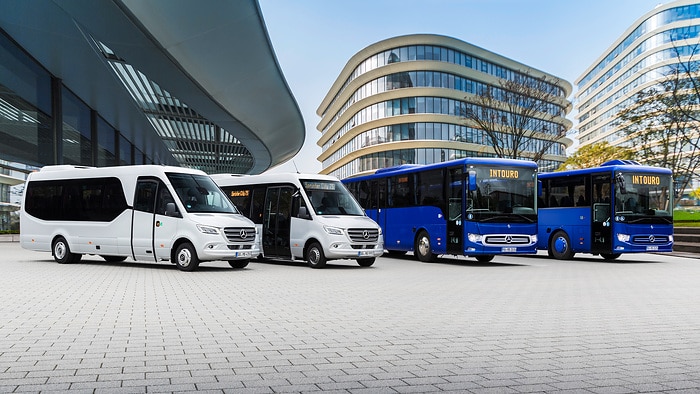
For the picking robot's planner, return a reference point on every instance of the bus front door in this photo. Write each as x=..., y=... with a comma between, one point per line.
x=143, y=220
x=277, y=222
x=601, y=222
x=455, y=193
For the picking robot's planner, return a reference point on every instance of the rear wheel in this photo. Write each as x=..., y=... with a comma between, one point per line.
x=485, y=258
x=560, y=246
x=238, y=263
x=422, y=248
x=610, y=256
x=62, y=253
x=314, y=256
x=186, y=257
x=366, y=262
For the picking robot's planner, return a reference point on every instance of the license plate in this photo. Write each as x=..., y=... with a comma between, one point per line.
x=364, y=253
x=242, y=254
x=505, y=250
x=652, y=248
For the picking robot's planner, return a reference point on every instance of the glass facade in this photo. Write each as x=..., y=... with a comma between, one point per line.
x=374, y=126
x=642, y=57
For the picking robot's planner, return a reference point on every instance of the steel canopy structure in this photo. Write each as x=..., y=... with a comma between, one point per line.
x=194, y=84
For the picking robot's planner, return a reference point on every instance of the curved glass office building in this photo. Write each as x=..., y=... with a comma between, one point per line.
x=635, y=61
x=400, y=101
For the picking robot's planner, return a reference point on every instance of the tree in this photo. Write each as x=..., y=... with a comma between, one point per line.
x=520, y=117
x=594, y=155
x=661, y=125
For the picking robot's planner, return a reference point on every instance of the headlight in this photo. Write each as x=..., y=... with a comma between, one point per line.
x=333, y=230
x=476, y=238
x=207, y=229
x=623, y=237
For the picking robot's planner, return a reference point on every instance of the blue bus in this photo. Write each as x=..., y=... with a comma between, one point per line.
x=618, y=207
x=477, y=207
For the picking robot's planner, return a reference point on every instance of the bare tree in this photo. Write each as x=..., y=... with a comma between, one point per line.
x=663, y=123
x=519, y=117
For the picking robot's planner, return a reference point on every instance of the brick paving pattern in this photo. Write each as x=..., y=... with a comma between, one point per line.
x=511, y=326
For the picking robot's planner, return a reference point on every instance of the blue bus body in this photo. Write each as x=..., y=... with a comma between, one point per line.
x=477, y=207
x=619, y=207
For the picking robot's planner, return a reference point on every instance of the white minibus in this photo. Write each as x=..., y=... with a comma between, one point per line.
x=304, y=216
x=146, y=212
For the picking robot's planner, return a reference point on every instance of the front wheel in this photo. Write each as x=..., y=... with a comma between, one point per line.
x=560, y=246
x=610, y=256
x=238, y=263
x=186, y=257
x=62, y=253
x=366, y=262
x=314, y=256
x=422, y=248
x=484, y=258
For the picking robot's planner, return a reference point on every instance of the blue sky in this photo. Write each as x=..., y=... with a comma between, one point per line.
x=314, y=39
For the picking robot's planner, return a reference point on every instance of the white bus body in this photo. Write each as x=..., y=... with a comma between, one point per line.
x=305, y=216
x=146, y=212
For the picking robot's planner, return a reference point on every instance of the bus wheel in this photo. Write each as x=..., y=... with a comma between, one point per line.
x=366, y=262
x=114, y=259
x=314, y=256
x=62, y=253
x=484, y=258
x=238, y=263
x=560, y=246
x=186, y=257
x=422, y=248
x=610, y=256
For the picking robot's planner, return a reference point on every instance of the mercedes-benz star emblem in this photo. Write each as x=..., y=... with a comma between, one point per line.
x=509, y=239
x=651, y=238
x=365, y=234
x=243, y=234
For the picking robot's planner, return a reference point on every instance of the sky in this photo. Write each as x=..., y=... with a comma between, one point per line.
x=314, y=39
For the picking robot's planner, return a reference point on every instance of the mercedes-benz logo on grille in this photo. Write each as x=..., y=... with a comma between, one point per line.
x=651, y=238
x=365, y=234
x=243, y=234
x=509, y=239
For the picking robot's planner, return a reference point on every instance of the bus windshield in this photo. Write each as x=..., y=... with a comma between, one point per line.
x=331, y=198
x=502, y=193
x=642, y=198
x=199, y=194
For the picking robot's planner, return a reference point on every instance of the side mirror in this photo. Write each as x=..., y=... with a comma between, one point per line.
x=620, y=180
x=472, y=181
x=171, y=210
x=303, y=213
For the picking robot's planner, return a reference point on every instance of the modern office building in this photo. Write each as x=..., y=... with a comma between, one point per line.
x=119, y=82
x=398, y=101
x=637, y=60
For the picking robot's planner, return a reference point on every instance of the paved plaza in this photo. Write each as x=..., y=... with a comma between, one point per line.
x=518, y=324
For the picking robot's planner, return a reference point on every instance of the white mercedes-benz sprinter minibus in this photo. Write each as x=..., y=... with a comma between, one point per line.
x=305, y=216
x=146, y=212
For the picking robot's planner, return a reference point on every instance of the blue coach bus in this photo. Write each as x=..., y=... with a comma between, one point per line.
x=477, y=207
x=619, y=207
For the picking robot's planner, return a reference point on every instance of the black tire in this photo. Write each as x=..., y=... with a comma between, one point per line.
x=238, y=263
x=185, y=257
x=61, y=252
x=610, y=256
x=484, y=258
x=114, y=259
x=560, y=246
x=366, y=262
x=422, y=248
x=315, y=257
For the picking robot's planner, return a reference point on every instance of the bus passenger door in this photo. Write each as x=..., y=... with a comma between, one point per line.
x=168, y=218
x=601, y=222
x=455, y=211
x=143, y=220
x=277, y=222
